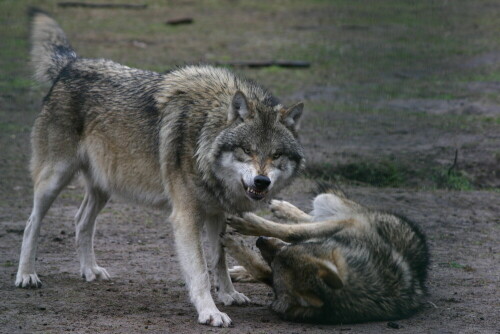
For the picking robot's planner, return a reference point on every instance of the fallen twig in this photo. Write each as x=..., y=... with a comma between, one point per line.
x=434, y=305
x=181, y=20
x=454, y=165
x=258, y=64
x=101, y=5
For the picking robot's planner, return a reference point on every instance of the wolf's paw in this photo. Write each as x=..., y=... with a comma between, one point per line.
x=95, y=272
x=246, y=225
x=240, y=274
x=233, y=298
x=287, y=211
x=28, y=281
x=281, y=209
x=214, y=318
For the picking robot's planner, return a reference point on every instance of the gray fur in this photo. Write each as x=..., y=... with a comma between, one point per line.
x=352, y=265
x=177, y=138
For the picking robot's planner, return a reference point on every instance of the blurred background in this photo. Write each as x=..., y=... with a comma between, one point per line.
x=394, y=90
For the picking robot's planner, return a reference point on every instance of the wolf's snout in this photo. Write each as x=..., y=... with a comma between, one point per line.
x=261, y=182
x=261, y=242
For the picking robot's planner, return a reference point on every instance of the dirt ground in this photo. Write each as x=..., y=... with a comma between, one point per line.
x=395, y=85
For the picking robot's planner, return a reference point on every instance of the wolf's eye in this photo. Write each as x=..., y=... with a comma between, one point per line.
x=246, y=150
x=276, y=155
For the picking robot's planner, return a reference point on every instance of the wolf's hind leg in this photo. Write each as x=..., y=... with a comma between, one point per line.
x=288, y=211
x=252, y=265
x=94, y=201
x=49, y=181
x=215, y=225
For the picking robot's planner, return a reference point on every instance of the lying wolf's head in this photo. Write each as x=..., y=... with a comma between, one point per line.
x=301, y=280
x=258, y=153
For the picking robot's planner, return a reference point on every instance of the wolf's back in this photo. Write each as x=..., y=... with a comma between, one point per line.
x=50, y=49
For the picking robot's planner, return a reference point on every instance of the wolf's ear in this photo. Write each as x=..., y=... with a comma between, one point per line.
x=239, y=108
x=310, y=298
x=329, y=273
x=291, y=116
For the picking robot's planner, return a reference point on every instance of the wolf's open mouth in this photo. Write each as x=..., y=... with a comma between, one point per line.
x=254, y=193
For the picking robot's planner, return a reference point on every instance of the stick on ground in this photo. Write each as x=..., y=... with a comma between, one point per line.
x=102, y=5
x=279, y=63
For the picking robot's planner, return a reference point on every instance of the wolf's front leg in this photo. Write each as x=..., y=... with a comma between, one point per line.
x=251, y=224
x=215, y=225
x=187, y=224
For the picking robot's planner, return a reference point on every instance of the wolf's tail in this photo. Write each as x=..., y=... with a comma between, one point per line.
x=329, y=188
x=332, y=201
x=50, y=49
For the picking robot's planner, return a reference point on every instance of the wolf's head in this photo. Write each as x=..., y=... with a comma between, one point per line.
x=301, y=279
x=258, y=153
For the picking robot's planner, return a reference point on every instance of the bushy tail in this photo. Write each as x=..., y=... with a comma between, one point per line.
x=50, y=49
x=328, y=188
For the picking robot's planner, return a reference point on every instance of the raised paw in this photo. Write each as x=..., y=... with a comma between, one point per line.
x=214, y=318
x=28, y=281
x=233, y=298
x=95, y=272
x=241, y=275
x=287, y=211
x=246, y=225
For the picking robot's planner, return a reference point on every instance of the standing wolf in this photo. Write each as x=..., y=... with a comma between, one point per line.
x=200, y=138
x=344, y=263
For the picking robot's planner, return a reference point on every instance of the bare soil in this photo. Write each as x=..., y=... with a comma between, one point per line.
x=147, y=293
x=413, y=110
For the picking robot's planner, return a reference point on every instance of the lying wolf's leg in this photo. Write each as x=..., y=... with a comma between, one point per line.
x=288, y=211
x=252, y=263
x=241, y=275
x=187, y=222
x=49, y=181
x=93, y=202
x=215, y=225
x=252, y=224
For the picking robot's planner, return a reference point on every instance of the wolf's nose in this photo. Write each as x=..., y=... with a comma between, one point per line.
x=261, y=182
x=261, y=241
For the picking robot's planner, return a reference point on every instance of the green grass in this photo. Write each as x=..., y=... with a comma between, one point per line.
x=12, y=128
x=382, y=174
x=390, y=174
x=452, y=180
x=8, y=264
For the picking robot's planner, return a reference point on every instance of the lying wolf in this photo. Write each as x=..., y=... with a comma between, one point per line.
x=343, y=263
x=200, y=138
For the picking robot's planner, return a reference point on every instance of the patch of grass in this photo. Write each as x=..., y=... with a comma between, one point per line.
x=452, y=180
x=9, y=127
x=16, y=83
x=391, y=174
x=8, y=264
x=382, y=174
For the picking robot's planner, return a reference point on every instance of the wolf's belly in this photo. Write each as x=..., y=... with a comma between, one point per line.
x=125, y=170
